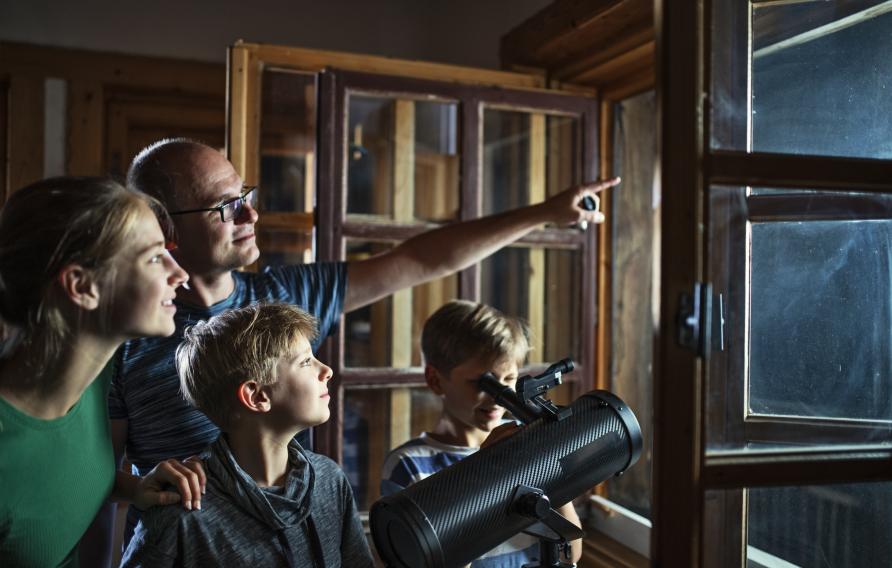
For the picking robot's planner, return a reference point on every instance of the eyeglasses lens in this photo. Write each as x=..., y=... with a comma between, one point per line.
x=233, y=209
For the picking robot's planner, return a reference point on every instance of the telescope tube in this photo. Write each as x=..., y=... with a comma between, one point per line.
x=461, y=512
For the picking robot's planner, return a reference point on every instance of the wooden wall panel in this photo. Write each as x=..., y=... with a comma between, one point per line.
x=26, y=123
x=4, y=139
x=635, y=261
x=86, y=122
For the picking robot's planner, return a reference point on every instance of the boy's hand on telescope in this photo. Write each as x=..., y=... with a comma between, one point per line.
x=186, y=476
x=567, y=208
x=499, y=433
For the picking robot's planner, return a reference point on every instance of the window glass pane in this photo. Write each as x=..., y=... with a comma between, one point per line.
x=542, y=286
x=375, y=422
x=402, y=159
x=819, y=74
x=284, y=246
x=527, y=157
x=635, y=214
x=287, y=141
x=808, y=526
x=822, y=319
x=387, y=333
x=806, y=284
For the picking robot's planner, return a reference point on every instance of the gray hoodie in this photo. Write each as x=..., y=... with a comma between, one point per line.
x=309, y=522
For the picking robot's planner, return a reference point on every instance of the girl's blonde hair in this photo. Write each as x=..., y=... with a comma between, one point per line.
x=46, y=226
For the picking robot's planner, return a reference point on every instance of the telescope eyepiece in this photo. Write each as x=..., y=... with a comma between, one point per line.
x=564, y=366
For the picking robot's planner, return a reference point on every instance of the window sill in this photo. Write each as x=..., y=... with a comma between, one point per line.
x=620, y=524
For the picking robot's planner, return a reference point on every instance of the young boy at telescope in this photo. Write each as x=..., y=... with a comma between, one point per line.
x=269, y=502
x=461, y=341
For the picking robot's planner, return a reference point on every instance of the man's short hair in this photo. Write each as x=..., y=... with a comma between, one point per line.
x=218, y=355
x=461, y=330
x=155, y=170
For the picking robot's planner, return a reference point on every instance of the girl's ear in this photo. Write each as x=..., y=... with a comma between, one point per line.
x=79, y=285
x=254, y=397
x=433, y=378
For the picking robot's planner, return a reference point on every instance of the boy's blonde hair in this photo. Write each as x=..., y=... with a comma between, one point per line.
x=461, y=330
x=218, y=355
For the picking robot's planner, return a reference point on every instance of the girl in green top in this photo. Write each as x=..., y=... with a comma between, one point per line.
x=84, y=266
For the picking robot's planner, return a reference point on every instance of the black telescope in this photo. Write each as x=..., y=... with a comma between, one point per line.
x=465, y=510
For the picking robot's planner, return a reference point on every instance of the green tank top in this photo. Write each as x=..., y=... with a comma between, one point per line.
x=54, y=476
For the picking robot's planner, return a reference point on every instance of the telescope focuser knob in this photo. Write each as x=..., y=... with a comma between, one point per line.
x=534, y=504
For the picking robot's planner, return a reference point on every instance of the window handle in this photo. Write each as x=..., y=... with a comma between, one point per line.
x=700, y=321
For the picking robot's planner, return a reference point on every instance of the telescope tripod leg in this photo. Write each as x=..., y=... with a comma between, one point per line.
x=550, y=555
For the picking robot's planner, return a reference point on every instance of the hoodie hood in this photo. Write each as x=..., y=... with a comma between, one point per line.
x=277, y=510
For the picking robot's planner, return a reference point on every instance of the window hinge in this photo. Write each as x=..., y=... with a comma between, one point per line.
x=700, y=321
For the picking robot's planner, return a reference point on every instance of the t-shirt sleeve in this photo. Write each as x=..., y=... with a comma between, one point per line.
x=117, y=407
x=397, y=474
x=319, y=288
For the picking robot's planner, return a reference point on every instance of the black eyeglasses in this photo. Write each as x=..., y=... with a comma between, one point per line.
x=231, y=209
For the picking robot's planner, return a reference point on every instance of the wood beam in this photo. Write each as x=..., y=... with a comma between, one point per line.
x=630, y=85
x=602, y=52
x=244, y=79
x=802, y=467
x=536, y=278
x=158, y=73
x=677, y=512
x=622, y=65
x=400, y=399
x=807, y=172
x=568, y=28
x=317, y=60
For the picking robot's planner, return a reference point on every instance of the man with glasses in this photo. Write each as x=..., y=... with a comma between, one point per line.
x=214, y=217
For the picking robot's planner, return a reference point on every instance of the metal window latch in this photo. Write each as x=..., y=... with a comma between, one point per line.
x=700, y=321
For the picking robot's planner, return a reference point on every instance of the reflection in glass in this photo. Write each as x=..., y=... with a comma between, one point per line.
x=375, y=422
x=402, y=159
x=817, y=87
x=809, y=526
x=806, y=285
x=819, y=78
x=541, y=286
x=283, y=246
x=386, y=333
x=822, y=319
x=527, y=157
x=287, y=141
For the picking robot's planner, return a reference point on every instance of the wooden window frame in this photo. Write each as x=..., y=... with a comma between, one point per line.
x=779, y=428
x=517, y=91
x=335, y=87
x=683, y=470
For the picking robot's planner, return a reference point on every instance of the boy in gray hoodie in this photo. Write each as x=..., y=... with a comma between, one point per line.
x=269, y=502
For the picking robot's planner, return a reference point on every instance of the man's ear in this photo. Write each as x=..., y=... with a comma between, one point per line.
x=79, y=285
x=254, y=396
x=433, y=378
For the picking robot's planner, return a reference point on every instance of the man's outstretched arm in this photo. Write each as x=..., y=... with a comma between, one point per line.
x=445, y=250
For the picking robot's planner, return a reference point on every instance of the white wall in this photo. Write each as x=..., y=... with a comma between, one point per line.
x=464, y=32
